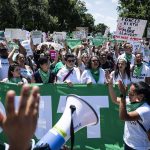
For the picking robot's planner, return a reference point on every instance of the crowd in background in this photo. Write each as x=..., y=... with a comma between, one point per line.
x=85, y=64
x=88, y=64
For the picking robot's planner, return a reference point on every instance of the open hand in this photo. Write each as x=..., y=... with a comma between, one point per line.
x=122, y=87
x=19, y=126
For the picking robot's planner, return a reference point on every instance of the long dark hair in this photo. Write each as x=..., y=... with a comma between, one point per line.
x=11, y=69
x=142, y=88
x=127, y=69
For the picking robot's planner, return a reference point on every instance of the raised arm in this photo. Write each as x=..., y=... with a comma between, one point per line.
x=10, y=56
x=112, y=93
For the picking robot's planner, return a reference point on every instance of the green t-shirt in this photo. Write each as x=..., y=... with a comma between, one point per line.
x=58, y=66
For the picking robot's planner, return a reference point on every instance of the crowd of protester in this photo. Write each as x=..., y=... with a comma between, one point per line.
x=85, y=64
x=88, y=64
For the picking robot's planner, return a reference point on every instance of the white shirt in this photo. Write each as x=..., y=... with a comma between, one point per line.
x=134, y=136
x=4, y=68
x=74, y=77
x=144, y=73
x=26, y=73
x=87, y=77
x=126, y=80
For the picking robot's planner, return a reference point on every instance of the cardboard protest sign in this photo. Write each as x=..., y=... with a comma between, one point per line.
x=85, y=29
x=148, y=32
x=26, y=45
x=59, y=36
x=36, y=37
x=79, y=34
x=107, y=31
x=137, y=47
x=11, y=34
x=130, y=29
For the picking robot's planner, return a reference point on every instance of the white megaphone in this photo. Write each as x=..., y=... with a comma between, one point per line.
x=77, y=110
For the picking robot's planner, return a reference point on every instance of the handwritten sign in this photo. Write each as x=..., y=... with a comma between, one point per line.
x=59, y=36
x=130, y=29
x=36, y=37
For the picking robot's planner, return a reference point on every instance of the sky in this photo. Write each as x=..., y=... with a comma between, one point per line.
x=103, y=11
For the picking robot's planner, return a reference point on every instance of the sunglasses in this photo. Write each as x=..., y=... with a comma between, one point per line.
x=73, y=60
x=94, y=60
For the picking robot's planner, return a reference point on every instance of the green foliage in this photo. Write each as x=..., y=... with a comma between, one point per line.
x=45, y=15
x=100, y=28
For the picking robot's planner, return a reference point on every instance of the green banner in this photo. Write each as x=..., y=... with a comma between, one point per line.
x=73, y=43
x=106, y=135
x=99, y=41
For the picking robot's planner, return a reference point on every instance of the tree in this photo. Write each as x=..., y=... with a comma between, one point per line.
x=45, y=15
x=8, y=14
x=100, y=28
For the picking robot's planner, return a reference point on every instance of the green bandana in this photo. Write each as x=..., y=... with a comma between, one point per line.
x=95, y=74
x=138, y=69
x=15, y=80
x=44, y=76
x=128, y=57
x=133, y=106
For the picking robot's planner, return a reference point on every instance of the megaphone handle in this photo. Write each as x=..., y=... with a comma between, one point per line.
x=72, y=127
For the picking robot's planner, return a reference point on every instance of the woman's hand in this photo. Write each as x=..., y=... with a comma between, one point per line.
x=70, y=84
x=109, y=80
x=122, y=87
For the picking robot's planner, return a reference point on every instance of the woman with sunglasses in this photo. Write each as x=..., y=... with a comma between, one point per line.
x=14, y=75
x=25, y=70
x=69, y=74
x=94, y=74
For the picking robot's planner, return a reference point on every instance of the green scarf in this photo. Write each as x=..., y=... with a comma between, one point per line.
x=95, y=74
x=138, y=69
x=133, y=105
x=128, y=57
x=44, y=76
x=15, y=80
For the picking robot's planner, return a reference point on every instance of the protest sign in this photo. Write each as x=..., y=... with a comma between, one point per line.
x=79, y=34
x=36, y=37
x=107, y=31
x=85, y=29
x=26, y=45
x=148, y=32
x=11, y=34
x=59, y=36
x=130, y=29
x=137, y=47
